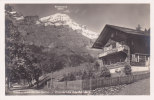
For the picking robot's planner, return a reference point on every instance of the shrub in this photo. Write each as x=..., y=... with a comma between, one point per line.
x=84, y=75
x=105, y=72
x=71, y=77
x=91, y=74
x=127, y=70
x=96, y=66
x=79, y=73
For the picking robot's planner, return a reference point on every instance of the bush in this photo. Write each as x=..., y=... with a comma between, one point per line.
x=88, y=75
x=91, y=74
x=96, y=66
x=127, y=70
x=71, y=77
x=84, y=75
x=105, y=72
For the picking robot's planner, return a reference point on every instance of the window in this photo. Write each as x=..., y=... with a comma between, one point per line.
x=135, y=58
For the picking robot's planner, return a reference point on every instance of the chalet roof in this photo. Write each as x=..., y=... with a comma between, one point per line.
x=105, y=35
x=128, y=30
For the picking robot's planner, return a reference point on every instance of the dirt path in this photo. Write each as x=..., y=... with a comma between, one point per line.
x=141, y=87
x=28, y=92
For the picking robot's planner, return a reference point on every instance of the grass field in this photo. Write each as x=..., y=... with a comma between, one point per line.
x=59, y=74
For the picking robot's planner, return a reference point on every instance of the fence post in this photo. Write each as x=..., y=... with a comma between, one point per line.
x=119, y=80
x=52, y=83
x=48, y=85
x=82, y=86
x=66, y=84
x=90, y=83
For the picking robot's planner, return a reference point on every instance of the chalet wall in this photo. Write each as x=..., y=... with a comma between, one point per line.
x=139, y=45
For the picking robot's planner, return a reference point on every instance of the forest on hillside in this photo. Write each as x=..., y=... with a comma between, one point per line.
x=34, y=50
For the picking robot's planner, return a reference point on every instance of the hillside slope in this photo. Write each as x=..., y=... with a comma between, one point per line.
x=56, y=34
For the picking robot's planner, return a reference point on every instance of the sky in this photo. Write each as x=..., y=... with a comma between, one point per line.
x=94, y=16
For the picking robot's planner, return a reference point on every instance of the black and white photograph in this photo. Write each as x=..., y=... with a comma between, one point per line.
x=77, y=49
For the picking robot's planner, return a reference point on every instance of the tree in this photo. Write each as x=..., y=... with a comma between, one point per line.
x=11, y=50
x=20, y=57
x=8, y=7
x=37, y=73
x=148, y=31
x=145, y=30
x=138, y=28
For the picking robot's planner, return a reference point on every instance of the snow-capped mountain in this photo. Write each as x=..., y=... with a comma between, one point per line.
x=59, y=19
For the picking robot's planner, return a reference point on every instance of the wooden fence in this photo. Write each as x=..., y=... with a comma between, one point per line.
x=91, y=84
x=66, y=85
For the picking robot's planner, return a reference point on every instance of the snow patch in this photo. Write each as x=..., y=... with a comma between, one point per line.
x=13, y=12
x=19, y=18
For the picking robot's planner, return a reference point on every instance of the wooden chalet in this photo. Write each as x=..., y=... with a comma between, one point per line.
x=123, y=45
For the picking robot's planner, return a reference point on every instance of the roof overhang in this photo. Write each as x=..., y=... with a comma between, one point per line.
x=106, y=34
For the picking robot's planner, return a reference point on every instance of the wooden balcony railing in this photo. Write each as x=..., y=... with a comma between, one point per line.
x=113, y=50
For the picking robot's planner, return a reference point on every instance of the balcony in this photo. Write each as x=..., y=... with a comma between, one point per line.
x=113, y=50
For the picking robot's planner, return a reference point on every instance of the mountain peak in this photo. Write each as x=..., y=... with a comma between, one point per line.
x=59, y=19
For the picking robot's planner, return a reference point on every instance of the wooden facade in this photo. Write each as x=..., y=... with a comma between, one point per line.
x=121, y=45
